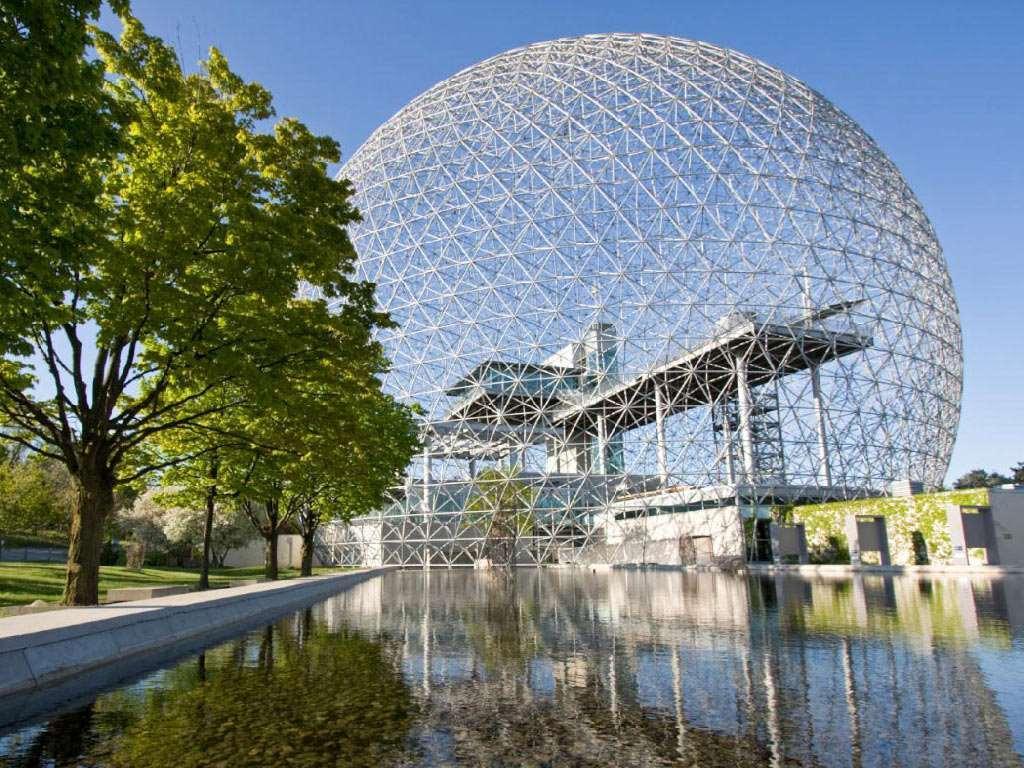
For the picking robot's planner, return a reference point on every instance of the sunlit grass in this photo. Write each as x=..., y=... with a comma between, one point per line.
x=23, y=583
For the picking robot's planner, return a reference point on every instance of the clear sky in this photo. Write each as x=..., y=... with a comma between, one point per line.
x=939, y=85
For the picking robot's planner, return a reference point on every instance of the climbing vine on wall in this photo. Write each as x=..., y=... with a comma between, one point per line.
x=926, y=512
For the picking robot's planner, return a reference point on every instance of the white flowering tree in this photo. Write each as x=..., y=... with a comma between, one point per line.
x=143, y=521
x=159, y=522
x=231, y=530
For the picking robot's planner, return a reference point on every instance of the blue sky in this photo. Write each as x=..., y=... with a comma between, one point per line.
x=939, y=85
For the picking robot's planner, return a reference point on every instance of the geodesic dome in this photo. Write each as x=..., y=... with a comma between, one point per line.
x=657, y=258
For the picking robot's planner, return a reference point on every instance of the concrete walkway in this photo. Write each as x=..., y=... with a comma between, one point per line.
x=43, y=649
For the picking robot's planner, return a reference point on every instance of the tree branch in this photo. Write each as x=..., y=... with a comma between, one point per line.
x=62, y=399
x=145, y=470
x=71, y=332
x=35, y=447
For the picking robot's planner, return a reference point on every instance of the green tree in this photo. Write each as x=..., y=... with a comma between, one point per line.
x=269, y=504
x=34, y=494
x=230, y=530
x=1018, y=473
x=501, y=508
x=232, y=457
x=334, y=454
x=362, y=452
x=980, y=478
x=192, y=454
x=57, y=128
x=328, y=443
x=180, y=281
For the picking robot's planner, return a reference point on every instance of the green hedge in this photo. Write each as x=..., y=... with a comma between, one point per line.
x=34, y=539
x=924, y=512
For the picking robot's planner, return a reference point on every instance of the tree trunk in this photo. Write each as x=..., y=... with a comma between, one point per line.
x=218, y=558
x=309, y=523
x=211, y=498
x=270, y=564
x=307, y=552
x=204, y=568
x=94, y=502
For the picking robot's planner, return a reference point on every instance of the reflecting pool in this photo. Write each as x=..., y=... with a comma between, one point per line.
x=580, y=668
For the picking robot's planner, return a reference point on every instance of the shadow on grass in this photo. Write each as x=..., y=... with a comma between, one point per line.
x=30, y=586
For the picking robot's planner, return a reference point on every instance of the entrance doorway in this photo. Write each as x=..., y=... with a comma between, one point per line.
x=759, y=539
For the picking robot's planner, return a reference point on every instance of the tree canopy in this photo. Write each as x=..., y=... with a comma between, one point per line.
x=34, y=494
x=980, y=478
x=57, y=129
x=502, y=507
x=327, y=443
x=171, y=259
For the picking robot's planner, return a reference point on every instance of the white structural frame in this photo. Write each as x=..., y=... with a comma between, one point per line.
x=637, y=279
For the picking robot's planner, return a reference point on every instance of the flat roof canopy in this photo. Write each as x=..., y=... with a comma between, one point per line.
x=702, y=376
x=707, y=374
x=523, y=374
x=479, y=440
x=483, y=404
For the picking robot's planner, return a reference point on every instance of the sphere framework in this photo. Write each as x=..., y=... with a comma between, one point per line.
x=630, y=268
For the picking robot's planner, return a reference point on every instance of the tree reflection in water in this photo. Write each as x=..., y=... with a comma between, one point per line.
x=293, y=694
x=311, y=698
x=571, y=668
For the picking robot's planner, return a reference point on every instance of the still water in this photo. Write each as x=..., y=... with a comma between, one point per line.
x=562, y=667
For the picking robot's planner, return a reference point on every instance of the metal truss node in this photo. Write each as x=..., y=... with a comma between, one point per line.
x=655, y=287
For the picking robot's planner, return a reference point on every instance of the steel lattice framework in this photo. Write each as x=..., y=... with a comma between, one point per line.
x=646, y=275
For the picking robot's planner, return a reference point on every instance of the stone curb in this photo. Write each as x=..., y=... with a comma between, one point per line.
x=906, y=570
x=995, y=571
x=44, y=649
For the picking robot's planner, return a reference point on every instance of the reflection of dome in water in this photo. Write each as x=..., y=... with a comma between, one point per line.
x=570, y=231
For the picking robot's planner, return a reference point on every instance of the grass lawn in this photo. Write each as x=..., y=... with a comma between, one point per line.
x=22, y=583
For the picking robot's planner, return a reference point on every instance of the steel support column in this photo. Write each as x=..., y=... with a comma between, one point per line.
x=746, y=410
x=659, y=421
x=425, y=501
x=602, y=445
x=425, y=507
x=824, y=469
x=730, y=463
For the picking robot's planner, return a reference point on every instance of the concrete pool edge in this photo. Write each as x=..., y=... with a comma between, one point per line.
x=45, y=649
x=811, y=569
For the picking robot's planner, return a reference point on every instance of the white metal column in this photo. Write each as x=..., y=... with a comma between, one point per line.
x=602, y=445
x=746, y=408
x=730, y=462
x=425, y=501
x=659, y=422
x=425, y=507
x=824, y=469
